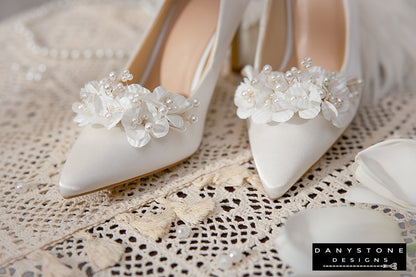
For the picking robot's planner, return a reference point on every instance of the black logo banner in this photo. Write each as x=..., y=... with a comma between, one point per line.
x=359, y=256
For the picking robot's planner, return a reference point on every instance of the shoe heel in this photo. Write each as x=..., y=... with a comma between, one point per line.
x=235, y=53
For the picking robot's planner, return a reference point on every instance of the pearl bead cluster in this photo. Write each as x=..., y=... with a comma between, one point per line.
x=283, y=83
x=25, y=73
x=33, y=73
x=33, y=44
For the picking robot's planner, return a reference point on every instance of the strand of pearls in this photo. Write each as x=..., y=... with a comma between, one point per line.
x=87, y=53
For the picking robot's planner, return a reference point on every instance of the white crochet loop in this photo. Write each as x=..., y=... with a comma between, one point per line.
x=271, y=96
x=143, y=114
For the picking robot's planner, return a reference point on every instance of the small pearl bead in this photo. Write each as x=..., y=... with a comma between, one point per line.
x=29, y=76
x=309, y=59
x=15, y=67
x=254, y=82
x=37, y=76
x=294, y=69
x=64, y=54
x=108, y=115
x=53, y=53
x=183, y=232
x=169, y=101
x=119, y=54
x=235, y=255
x=109, y=53
x=289, y=75
x=19, y=186
x=163, y=110
x=87, y=53
x=107, y=87
x=42, y=67
x=148, y=127
x=244, y=93
x=267, y=68
x=225, y=262
x=75, y=54
x=194, y=119
x=195, y=102
x=99, y=53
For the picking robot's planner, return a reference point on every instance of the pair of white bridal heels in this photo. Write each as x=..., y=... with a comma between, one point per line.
x=152, y=116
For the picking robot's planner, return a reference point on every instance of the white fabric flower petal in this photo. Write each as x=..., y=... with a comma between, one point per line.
x=310, y=113
x=387, y=170
x=176, y=121
x=282, y=116
x=137, y=137
x=160, y=128
x=329, y=110
x=134, y=126
x=262, y=116
x=244, y=113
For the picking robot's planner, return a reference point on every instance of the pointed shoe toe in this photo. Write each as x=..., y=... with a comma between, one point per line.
x=284, y=152
x=101, y=158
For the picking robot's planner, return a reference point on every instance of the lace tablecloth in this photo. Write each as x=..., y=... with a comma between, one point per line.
x=107, y=233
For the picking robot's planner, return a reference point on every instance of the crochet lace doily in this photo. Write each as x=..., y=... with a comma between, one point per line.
x=42, y=233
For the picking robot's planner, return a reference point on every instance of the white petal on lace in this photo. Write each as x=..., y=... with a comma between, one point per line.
x=143, y=114
x=386, y=171
x=331, y=225
x=306, y=92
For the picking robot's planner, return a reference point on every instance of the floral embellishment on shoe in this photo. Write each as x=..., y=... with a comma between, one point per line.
x=272, y=96
x=143, y=114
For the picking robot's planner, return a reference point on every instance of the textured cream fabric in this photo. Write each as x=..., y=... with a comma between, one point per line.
x=36, y=133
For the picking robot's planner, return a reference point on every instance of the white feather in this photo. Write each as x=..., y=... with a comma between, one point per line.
x=388, y=47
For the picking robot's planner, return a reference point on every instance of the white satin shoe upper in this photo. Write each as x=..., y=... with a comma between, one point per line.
x=288, y=144
x=102, y=157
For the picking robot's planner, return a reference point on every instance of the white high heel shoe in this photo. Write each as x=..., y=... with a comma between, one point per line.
x=295, y=116
x=132, y=132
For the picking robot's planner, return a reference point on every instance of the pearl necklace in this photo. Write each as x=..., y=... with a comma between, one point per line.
x=87, y=53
